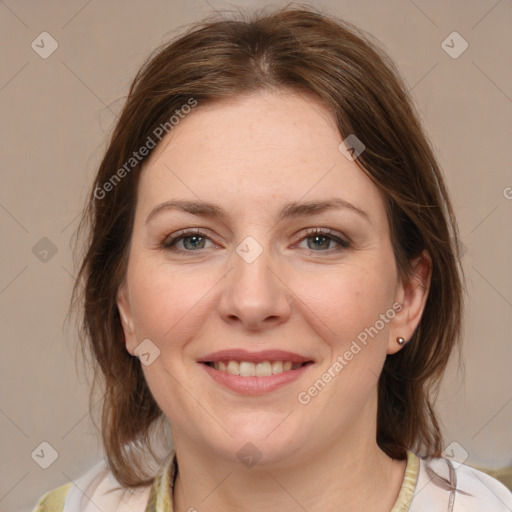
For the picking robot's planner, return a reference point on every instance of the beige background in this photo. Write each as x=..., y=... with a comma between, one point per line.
x=55, y=114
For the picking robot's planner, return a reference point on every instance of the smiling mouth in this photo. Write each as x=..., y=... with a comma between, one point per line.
x=250, y=369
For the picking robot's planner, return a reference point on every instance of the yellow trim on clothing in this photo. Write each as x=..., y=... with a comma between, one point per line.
x=404, y=500
x=53, y=501
x=161, y=496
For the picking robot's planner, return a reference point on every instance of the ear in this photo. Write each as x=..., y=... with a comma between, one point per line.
x=123, y=305
x=412, y=295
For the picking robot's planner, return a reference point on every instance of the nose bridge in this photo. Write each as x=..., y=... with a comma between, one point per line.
x=253, y=294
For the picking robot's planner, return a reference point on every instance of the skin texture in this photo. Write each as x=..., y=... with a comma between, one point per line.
x=251, y=156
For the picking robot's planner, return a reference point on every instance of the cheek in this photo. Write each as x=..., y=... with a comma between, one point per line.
x=166, y=303
x=169, y=307
x=346, y=309
x=346, y=302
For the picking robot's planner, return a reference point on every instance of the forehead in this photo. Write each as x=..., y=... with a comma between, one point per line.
x=260, y=149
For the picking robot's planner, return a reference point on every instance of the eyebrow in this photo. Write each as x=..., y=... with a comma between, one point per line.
x=289, y=210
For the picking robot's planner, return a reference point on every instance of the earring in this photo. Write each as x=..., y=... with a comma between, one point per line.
x=400, y=340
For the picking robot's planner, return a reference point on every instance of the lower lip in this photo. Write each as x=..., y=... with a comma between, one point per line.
x=255, y=385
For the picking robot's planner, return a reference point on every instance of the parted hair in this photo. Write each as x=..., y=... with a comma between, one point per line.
x=295, y=48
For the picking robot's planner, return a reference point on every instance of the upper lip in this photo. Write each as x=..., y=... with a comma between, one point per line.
x=253, y=357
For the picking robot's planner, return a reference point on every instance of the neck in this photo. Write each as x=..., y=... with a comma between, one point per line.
x=346, y=477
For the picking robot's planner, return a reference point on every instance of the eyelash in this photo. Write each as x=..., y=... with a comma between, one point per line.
x=327, y=233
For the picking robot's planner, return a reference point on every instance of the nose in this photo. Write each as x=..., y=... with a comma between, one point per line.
x=255, y=296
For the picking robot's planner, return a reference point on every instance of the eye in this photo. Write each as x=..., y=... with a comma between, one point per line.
x=190, y=241
x=321, y=240
x=317, y=240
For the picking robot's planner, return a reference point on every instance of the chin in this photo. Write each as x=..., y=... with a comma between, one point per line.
x=260, y=443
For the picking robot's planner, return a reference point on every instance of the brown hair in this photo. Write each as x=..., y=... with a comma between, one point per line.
x=297, y=49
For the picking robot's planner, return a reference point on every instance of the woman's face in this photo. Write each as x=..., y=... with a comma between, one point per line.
x=277, y=250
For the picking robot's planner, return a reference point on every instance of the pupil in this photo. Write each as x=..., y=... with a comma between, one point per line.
x=319, y=237
x=194, y=240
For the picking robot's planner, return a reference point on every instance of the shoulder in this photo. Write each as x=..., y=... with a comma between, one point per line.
x=442, y=484
x=97, y=487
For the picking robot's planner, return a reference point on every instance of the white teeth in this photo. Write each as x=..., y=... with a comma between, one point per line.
x=233, y=368
x=263, y=369
x=249, y=369
x=277, y=367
